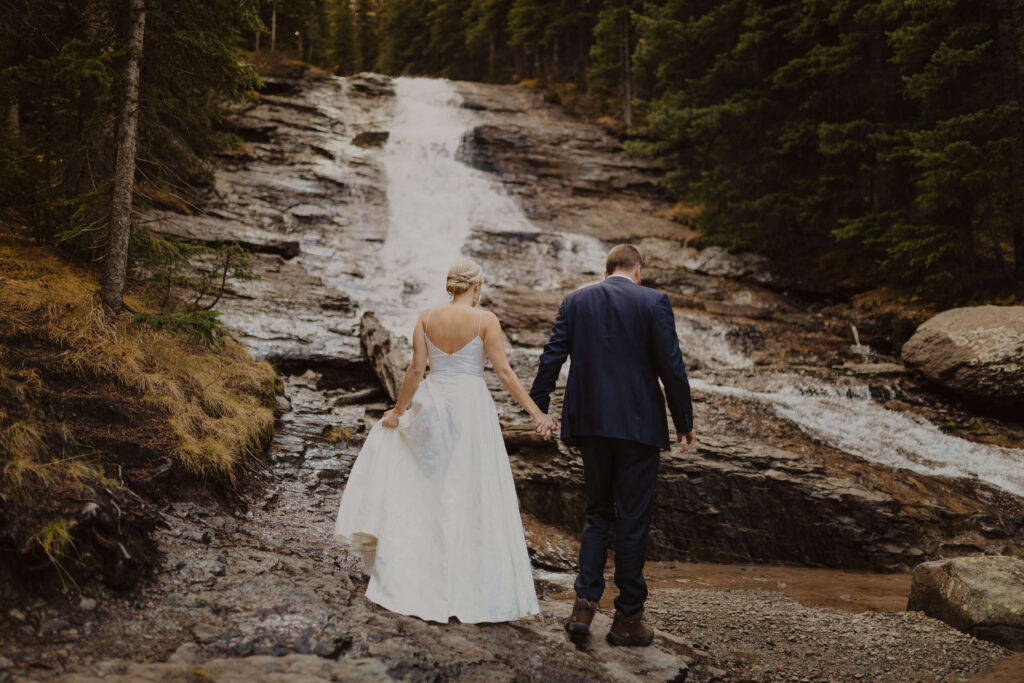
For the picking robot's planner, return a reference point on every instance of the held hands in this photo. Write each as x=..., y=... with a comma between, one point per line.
x=691, y=438
x=544, y=424
x=390, y=419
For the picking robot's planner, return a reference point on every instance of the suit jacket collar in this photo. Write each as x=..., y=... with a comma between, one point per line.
x=613, y=279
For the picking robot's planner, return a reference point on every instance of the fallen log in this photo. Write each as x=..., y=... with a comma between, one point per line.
x=388, y=355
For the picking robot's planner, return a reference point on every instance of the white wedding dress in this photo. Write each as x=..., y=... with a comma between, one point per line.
x=431, y=506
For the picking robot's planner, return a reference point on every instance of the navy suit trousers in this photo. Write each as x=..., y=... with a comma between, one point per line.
x=619, y=478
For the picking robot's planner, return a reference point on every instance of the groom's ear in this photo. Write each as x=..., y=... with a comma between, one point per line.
x=606, y=275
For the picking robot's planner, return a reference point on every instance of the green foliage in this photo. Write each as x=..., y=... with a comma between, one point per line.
x=881, y=130
x=62, y=63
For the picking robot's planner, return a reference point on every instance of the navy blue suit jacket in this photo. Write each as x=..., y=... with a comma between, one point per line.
x=621, y=339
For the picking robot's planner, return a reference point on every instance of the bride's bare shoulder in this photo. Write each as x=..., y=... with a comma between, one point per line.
x=490, y=319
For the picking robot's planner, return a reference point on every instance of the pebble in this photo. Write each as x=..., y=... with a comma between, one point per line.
x=88, y=604
x=54, y=625
x=17, y=615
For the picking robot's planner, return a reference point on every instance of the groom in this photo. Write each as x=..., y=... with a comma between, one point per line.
x=622, y=339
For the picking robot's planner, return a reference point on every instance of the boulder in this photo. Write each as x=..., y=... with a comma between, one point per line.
x=977, y=353
x=982, y=596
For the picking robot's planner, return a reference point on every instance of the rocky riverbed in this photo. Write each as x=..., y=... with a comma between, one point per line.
x=814, y=449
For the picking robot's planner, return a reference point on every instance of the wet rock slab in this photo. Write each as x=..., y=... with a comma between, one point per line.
x=982, y=596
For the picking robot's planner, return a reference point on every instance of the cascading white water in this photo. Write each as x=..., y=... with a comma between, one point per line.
x=848, y=419
x=434, y=201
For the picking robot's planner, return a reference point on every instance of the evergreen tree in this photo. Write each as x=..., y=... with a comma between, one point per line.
x=341, y=49
x=486, y=24
x=405, y=37
x=449, y=52
x=367, y=22
x=611, y=55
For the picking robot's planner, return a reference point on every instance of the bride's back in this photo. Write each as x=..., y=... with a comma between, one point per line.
x=451, y=327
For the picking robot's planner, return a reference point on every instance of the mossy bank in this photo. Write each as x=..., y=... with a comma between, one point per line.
x=101, y=421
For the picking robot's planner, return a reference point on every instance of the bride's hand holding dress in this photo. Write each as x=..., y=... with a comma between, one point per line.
x=430, y=504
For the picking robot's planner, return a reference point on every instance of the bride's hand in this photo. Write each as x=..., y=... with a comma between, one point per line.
x=390, y=419
x=544, y=424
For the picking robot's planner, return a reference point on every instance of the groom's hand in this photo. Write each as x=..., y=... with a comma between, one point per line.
x=545, y=425
x=690, y=437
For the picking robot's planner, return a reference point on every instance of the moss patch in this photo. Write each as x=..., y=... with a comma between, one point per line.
x=100, y=418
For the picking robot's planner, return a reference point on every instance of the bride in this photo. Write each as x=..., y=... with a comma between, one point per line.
x=431, y=506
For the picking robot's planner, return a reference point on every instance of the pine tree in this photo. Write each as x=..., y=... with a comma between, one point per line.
x=367, y=23
x=341, y=31
x=449, y=53
x=486, y=32
x=116, y=256
x=611, y=55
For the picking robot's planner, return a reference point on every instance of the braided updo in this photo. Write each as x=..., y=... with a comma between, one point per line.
x=462, y=275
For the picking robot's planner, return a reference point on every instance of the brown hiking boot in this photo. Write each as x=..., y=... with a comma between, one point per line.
x=583, y=612
x=630, y=631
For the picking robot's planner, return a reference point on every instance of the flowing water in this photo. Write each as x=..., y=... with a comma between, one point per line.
x=844, y=416
x=440, y=209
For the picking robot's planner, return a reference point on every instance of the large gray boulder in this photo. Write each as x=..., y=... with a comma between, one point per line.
x=982, y=596
x=975, y=352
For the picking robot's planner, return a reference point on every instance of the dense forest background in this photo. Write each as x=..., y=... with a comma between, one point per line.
x=867, y=141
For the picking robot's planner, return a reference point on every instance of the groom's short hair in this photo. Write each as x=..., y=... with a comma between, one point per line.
x=623, y=257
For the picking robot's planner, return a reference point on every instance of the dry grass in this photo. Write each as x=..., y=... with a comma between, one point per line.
x=216, y=402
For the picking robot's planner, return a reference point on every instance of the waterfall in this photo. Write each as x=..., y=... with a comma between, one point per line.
x=434, y=201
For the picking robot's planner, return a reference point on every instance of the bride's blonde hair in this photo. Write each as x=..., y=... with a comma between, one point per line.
x=462, y=275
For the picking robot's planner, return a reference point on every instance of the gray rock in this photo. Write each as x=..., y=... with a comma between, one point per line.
x=206, y=633
x=54, y=625
x=281, y=405
x=371, y=138
x=982, y=596
x=254, y=669
x=372, y=85
x=88, y=604
x=730, y=500
x=717, y=261
x=975, y=352
x=187, y=654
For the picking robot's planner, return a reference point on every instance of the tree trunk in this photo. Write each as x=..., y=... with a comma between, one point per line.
x=1011, y=42
x=273, y=27
x=13, y=120
x=116, y=259
x=627, y=76
x=257, y=40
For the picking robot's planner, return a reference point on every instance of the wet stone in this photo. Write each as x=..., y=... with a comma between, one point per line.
x=54, y=626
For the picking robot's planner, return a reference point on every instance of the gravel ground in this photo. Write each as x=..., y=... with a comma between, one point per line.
x=767, y=636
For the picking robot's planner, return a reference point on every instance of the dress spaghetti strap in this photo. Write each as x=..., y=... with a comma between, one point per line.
x=427, y=320
x=479, y=322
